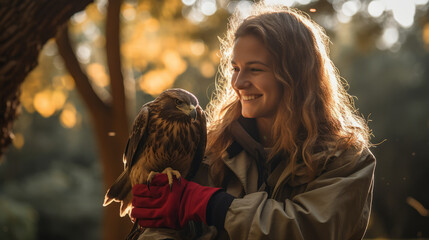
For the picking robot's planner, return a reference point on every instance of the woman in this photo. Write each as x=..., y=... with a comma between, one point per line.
x=284, y=141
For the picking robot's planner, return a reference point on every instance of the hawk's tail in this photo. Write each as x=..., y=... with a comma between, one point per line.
x=119, y=192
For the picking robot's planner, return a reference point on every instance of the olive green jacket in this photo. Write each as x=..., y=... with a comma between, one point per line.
x=335, y=204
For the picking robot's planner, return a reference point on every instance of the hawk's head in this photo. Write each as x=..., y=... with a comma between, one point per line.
x=178, y=104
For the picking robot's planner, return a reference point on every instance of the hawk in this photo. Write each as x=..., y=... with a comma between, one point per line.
x=168, y=135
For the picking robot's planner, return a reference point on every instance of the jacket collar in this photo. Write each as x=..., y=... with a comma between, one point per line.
x=244, y=131
x=246, y=136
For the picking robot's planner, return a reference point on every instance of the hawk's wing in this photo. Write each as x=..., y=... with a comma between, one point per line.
x=121, y=188
x=137, y=137
x=201, y=147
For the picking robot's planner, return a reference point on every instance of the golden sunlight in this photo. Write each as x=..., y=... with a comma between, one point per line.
x=43, y=103
x=98, y=74
x=197, y=48
x=58, y=98
x=68, y=117
x=144, y=44
x=151, y=25
x=173, y=62
x=156, y=81
x=128, y=11
x=207, y=69
x=94, y=14
x=31, y=85
x=152, y=49
x=68, y=82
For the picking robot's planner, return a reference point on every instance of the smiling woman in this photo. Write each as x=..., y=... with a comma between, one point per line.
x=284, y=142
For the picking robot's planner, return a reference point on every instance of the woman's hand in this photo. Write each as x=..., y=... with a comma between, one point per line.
x=162, y=206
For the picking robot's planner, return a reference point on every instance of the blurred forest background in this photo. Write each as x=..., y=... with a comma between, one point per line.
x=52, y=181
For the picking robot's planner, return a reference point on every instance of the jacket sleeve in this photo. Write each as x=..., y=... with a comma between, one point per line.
x=335, y=205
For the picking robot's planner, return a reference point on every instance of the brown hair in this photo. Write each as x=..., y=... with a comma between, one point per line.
x=315, y=111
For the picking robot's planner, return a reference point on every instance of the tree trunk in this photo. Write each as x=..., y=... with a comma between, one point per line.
x=25, y=26
x=110, y=125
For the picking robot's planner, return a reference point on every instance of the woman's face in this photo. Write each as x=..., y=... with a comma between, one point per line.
x=253, y=78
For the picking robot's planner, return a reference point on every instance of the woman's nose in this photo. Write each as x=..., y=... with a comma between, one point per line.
x=240, y=82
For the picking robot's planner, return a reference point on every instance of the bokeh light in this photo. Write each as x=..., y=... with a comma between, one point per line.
x=188, y=2
x=101, y=5
x=389, y=37
x=91, y=32
x=50, y=48
x=403, y=12
x=342, y=18
x=195, y=15
x=128, y=12
x=98, y=74
x=156, y=81
x=44, y=104
x=208, y=7
x=207, y=69
x=197, y=48
x=18, y=140
x=68, y=117
x=173, y=62
x=58, y=99
x=79, y=17
x=83, y=53
x=376, y=8
x=244, y=8
x=350, y=8
x=67, y=81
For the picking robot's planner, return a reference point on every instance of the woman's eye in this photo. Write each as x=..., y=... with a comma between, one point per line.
x=179, y=102
x=255, y=70
x=235, y=69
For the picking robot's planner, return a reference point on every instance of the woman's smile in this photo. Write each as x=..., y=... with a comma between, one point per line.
x=250, y=97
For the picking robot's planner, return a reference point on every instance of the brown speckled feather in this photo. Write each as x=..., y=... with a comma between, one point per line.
x=164, y=135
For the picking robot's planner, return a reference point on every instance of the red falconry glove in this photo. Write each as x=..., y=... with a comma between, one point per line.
x=161, y=206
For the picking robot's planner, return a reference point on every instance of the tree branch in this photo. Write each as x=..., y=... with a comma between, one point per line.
x=115, y=66
x=91, y=99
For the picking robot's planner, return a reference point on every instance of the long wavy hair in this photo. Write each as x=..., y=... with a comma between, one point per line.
x=315, y=111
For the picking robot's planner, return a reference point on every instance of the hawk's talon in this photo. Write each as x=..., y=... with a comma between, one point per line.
x=170, y=172
x=151, y=175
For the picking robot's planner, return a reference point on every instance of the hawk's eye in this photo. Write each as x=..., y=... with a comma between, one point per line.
x=179, y=102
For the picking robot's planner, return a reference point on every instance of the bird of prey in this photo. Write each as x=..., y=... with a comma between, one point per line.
x=169, y=135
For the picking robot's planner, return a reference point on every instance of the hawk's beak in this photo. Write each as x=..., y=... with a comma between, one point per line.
x=189, y=110
x=193, y=112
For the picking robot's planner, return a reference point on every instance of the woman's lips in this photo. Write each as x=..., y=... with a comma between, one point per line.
x=251, y=97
